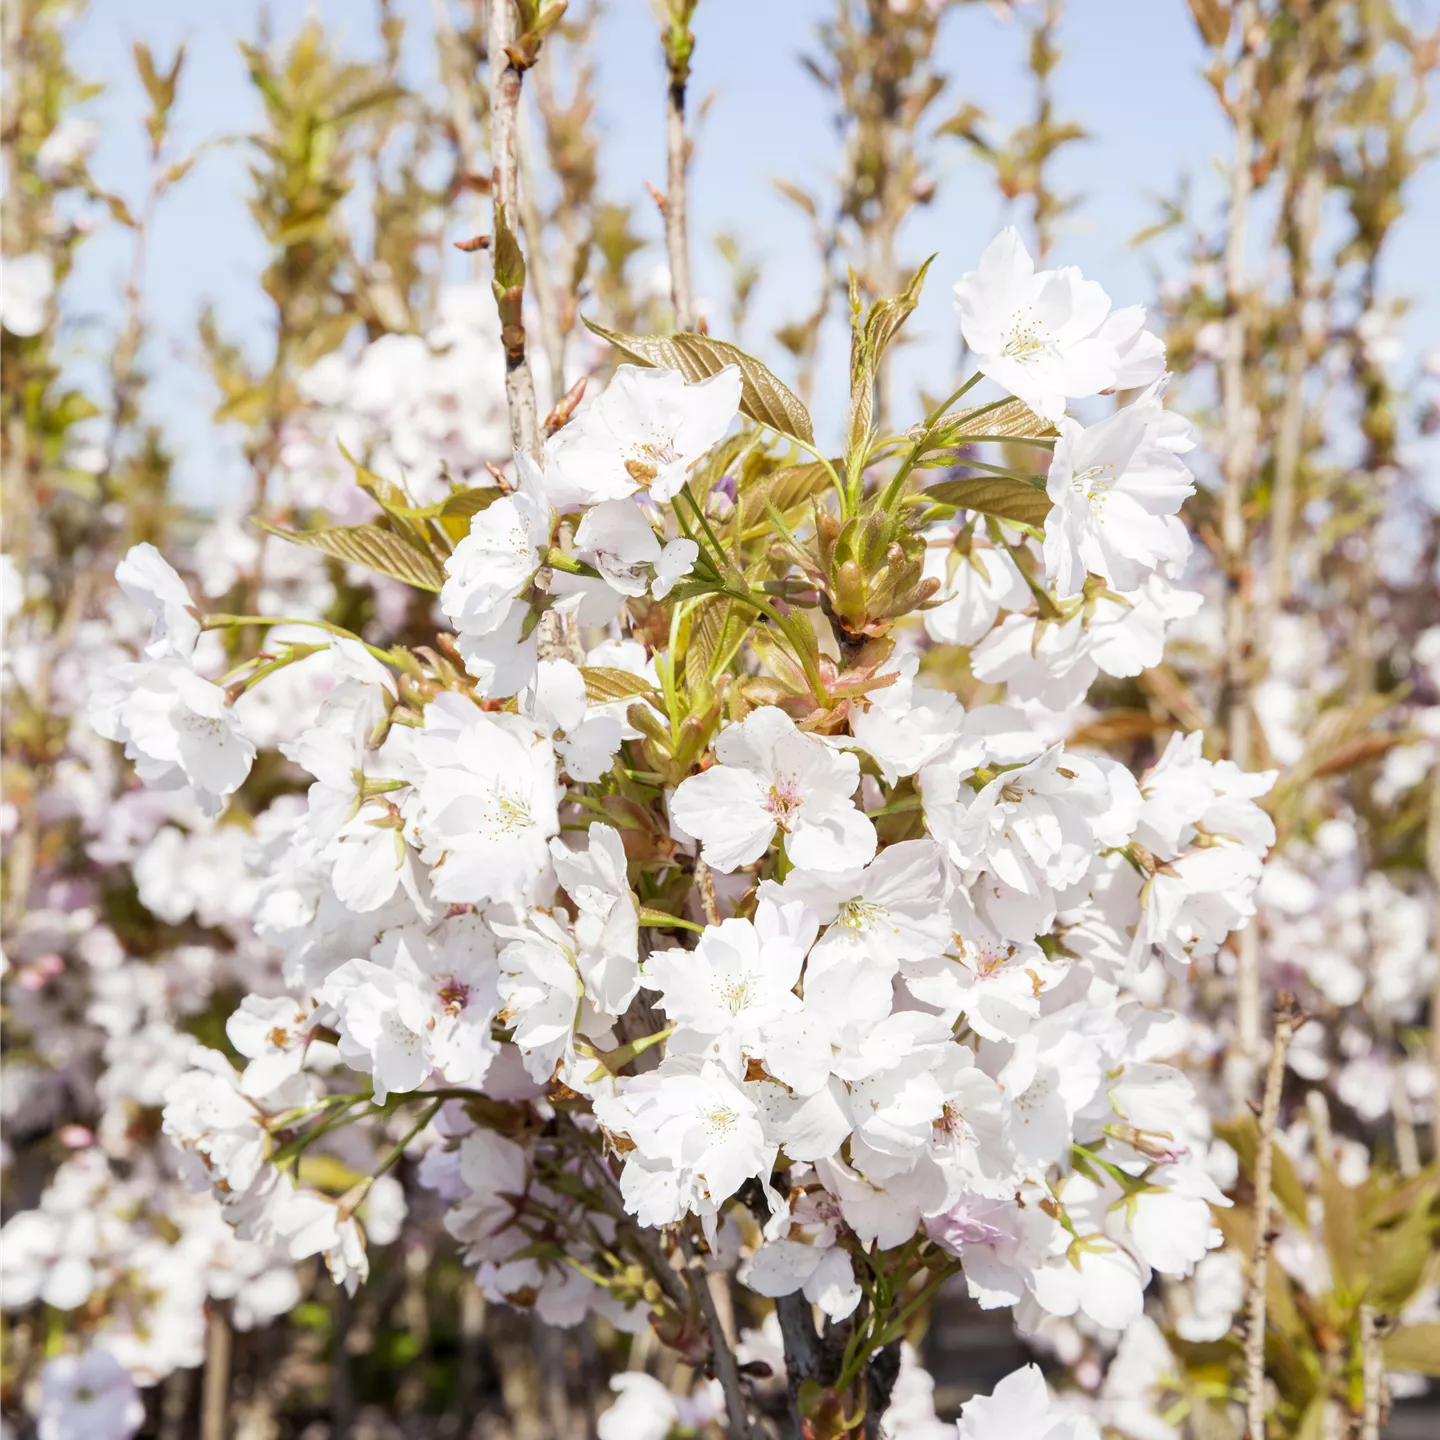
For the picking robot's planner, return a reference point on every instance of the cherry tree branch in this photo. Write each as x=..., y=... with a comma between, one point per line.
x=722, y=1357
x=1285, y=1021
x=505, y=81
x=1237, y=465
x=679, y=45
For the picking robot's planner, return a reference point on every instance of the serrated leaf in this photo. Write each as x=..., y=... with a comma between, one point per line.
x=717, y=631
x=603, y=684
x=995, y=495
x=690, y=590
x=777, y=654
x=888, y=315
x=383, y=551
x=763, y=396
x=1011, y=420
x=462, y=504
x=786, y=488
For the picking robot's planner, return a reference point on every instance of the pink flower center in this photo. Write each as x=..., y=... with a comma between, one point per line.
x=784, y=800
x=454, y=996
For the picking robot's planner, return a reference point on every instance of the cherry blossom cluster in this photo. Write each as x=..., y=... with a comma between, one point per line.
x=141, y=912
x=841, y=972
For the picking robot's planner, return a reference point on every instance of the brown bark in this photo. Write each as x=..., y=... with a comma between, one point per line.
x=505, y=82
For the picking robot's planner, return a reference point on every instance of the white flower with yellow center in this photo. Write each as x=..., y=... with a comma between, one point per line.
x=693, y=1118
x=771, y=777
x=484, y=802
x=1116, y=488
x=737, y=980
x=644, y=433
x=1037, y=333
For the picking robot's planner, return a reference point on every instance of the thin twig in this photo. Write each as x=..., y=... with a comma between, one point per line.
x=1285, y=1018
x=705, y=883
x=1301, y=225
x=1372, y=1370
x=215, y=1400
x=469, y=141
x=1407, y=1145
x=1432, y=861
x=538, y=271
x=661, y=1268
x=722, y=1357
x=679, y=44
x=505, y=81
x=1235, y=699
x=342, y=1389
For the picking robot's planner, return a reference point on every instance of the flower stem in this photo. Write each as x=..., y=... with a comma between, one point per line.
x=897, y=481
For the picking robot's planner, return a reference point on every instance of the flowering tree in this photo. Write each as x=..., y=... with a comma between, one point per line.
x=900, y=1043
x=730, y=876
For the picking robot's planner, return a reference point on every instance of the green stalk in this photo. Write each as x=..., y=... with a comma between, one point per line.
x=235, y=622
x=892, y=490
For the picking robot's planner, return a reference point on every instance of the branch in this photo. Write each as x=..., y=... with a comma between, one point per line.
x=215, y=1397
x=505, y=189
x=881, y=1373
x=722, y=1357
x=1432, y=863
x=671, y=1283
x=804, y=1356
x=1238, y=461
x=705, y=883
x=1285, y=1020
x=546, y=300
x=1372, y=1369
x=679, y=45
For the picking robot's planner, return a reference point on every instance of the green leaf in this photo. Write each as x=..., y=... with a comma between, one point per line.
x=785, y=488
x=117, y=207
x=717, y=631
x=691, y=590
x=602, y=684
x=1008, y=420
x=763, y=397
x=1414, y=1348
x=1242, y=1135
x=1312, y=1422
x=1402, y=1254
x=244, y=407
x=462, y=504
x=869, y=340
x=886, y=316
x=995, y=495
x=380, y=550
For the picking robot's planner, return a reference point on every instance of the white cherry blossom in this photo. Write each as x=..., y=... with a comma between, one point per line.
x=27, y=285
x=770, y=777
x=88, y=1397
x=695, y=1122
x=484, y=803
x=177, y=728
x=644, y=432
x=977, y=583
x=1035, y=332
x=1116, y=487
x=1020, y=1408
x=738, y=979
x=150, y=581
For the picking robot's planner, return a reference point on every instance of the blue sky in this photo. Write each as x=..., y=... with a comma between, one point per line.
x=1131, y=75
